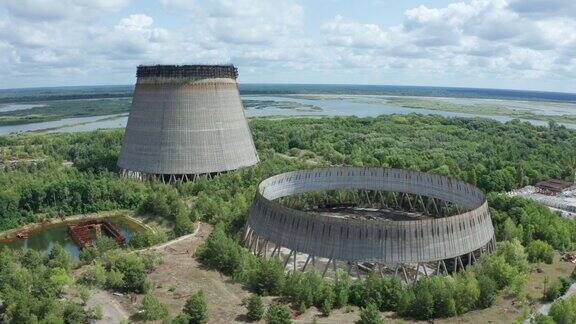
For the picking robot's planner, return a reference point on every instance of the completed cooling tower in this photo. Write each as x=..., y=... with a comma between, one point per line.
x=186, y=120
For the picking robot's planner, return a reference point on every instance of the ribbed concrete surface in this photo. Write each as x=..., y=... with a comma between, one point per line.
x=387, y=242
x=186, y=125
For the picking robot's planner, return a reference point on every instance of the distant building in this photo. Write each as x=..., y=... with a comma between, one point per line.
x=186, y=120
x=552, y=186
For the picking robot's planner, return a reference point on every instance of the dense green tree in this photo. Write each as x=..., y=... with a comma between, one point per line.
x=59, y=258
x=466, y=292
x=563, y=311
x=540, y=251
x=132, y=268
x=461, y=148
x=488, y=291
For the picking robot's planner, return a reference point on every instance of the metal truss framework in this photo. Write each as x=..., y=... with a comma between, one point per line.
x=438, y=244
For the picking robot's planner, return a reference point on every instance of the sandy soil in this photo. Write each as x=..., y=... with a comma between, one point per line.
x=112, y=311
x=181, y=275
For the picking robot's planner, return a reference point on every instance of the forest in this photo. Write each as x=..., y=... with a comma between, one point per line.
x=45, y=176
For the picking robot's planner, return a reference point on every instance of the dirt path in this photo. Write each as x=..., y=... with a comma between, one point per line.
x=180, y=275
x=112, y=311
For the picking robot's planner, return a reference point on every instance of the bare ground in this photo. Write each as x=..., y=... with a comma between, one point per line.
x=181, y=275
x=112, y=311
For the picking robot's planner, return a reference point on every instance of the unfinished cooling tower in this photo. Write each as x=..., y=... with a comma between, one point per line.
x=401, y=222
x=186, y=120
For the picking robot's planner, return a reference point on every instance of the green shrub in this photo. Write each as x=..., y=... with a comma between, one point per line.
x=196, y=308
x=255, y=308
x=133, y=269
x=466, y=292
x=183, y=225
x=115, y=280
x=327, y=306
x=147, y=238
x=152, y=309
x=543, y=319
x=423, y=305
x=551, y=289
x=96, y=313
x=341, y=286
x=95, y=275
x=488, y=291
x=268, y=277
x=59, y=258
x=370, y=315
x=278, y=314
x=563, y=311
x=556, y=288
x=180, y=319
x=540, y=251
x=443, y=291
x=221, y=252
x=74, y=314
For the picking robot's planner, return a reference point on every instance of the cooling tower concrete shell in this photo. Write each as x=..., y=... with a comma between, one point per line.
x=186, y=120
x=387, y=242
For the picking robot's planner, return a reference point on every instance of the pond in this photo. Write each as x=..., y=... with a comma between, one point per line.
x=43, y=239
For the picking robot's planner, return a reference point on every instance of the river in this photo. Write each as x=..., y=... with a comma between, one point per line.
x=360, y=106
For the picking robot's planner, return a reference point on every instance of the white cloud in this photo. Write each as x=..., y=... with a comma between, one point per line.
x=506, y=40
x=60, y=9
x=544, y=8
x=474, y=38
x=254, y=21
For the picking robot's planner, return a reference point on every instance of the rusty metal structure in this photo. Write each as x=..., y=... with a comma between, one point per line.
x=552, y=186
x=444, y=224
x=185, y=121
x=81, y=232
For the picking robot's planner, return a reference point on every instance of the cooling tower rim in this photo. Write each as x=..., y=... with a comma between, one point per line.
x=193, y=71
x=179, y=81
x=434, y=239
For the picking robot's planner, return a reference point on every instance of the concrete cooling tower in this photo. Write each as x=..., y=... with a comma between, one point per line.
x=186, y=120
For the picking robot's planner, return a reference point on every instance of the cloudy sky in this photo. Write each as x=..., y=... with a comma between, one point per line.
x=513, y=44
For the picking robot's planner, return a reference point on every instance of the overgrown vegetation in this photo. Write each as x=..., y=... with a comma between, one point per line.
x=41, y=186
x=254, y=307
x=562, y=311
x=438, y=296
x=32, y=288
x=122, y=271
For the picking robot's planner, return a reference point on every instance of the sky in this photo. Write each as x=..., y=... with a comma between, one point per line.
x=509, y=44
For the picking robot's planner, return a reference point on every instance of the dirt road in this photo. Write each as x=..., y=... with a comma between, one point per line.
x=181, y=275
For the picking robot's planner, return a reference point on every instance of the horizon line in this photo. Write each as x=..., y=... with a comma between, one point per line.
x=311, y=84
